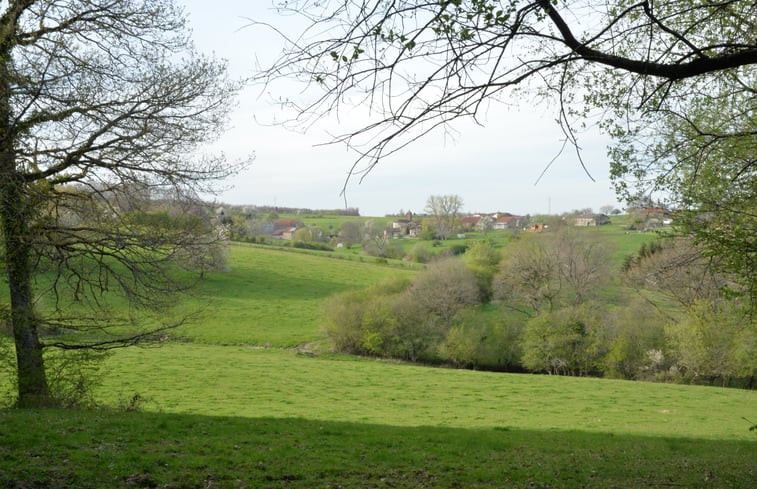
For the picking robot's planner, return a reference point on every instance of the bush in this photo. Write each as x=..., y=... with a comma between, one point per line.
x=714, y=343
x=445, y=288
x=482, y=260
x=565, y=342
x=364, y=322
x=311, y=245
x=419, y=254
x=457, y=249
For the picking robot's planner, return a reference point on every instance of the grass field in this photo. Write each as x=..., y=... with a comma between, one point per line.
x=249, y=382
x=272, y=298
x=232, y=417
x=235, y=407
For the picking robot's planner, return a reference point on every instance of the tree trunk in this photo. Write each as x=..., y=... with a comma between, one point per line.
x=33, y=390
x=32, y=383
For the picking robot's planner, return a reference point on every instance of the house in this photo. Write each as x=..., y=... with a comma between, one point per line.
x=284, y=233
x=509, y=221
x=286, y=223
x=591, y=220
x=285, y=228
x=470, y=222
x=654, y=217
x=405, y=228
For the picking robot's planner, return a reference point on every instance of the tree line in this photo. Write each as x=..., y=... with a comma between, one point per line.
x=554, y=303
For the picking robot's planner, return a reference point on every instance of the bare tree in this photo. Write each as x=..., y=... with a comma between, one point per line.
x=351, y=232
x=529, y=277
x=680, y=271
x=98, y=99
x=543, y=271
x=445, y=212
x=583, y=263
x=420, y=65
x=444, y=289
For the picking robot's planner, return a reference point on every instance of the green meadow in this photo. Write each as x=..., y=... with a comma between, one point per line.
x=272, y=297
x=230, y=402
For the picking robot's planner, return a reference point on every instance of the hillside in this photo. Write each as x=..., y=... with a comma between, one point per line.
x=231, y=417
x=272, y=297
x=227, y=402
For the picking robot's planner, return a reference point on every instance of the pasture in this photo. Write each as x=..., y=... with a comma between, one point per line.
x=233, y=417
x=271, y=297
x=233, y=405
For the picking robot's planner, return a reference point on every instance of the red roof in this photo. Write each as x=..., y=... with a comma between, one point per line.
x=285, y=223
x=654, y=210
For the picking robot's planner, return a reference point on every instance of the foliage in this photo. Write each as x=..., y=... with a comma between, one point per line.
x=312, y=234
x=482, y=258
x=419, y=253
x=350, y=232
x=678, y=269
x=102, y=105
x=698, y=154
x=476, y=342
x=311, y=245
x=427, y=64
x=635, y=342
x=564, y=342
x=398, y=319
x=444, y=289
x=544, y=271
x=528, y=277
x=715, y=343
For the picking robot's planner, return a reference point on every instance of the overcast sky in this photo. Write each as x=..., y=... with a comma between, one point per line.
x=493, y=168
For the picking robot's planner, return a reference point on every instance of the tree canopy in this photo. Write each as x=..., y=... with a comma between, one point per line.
x=102, y=106
x=421, y=64
x=673, y=82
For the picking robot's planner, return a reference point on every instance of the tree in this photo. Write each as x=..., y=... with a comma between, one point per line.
x=660, y=75
x=635, y=341
x=546, y=270
x=678, y=270
x=564, y=342
x=311, y=234
x=445, y=212
x=529, y=277
x=700, y=155
x=420, y=65
x=351, y=232
x=481, y=259
x=715, y=342
x=378, y=241
x=583, y=262
x=97, y=99
x=444, y=289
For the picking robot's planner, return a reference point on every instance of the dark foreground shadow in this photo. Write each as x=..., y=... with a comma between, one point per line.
x=104, y=449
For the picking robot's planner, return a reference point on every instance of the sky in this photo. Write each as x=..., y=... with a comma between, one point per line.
x=493, y=168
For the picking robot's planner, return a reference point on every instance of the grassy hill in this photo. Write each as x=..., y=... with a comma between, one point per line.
x=231, y=417
x=232, y=406
x=271, y=297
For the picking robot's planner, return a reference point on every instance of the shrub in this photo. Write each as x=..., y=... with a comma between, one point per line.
x=419, y=254
x=311, y=245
